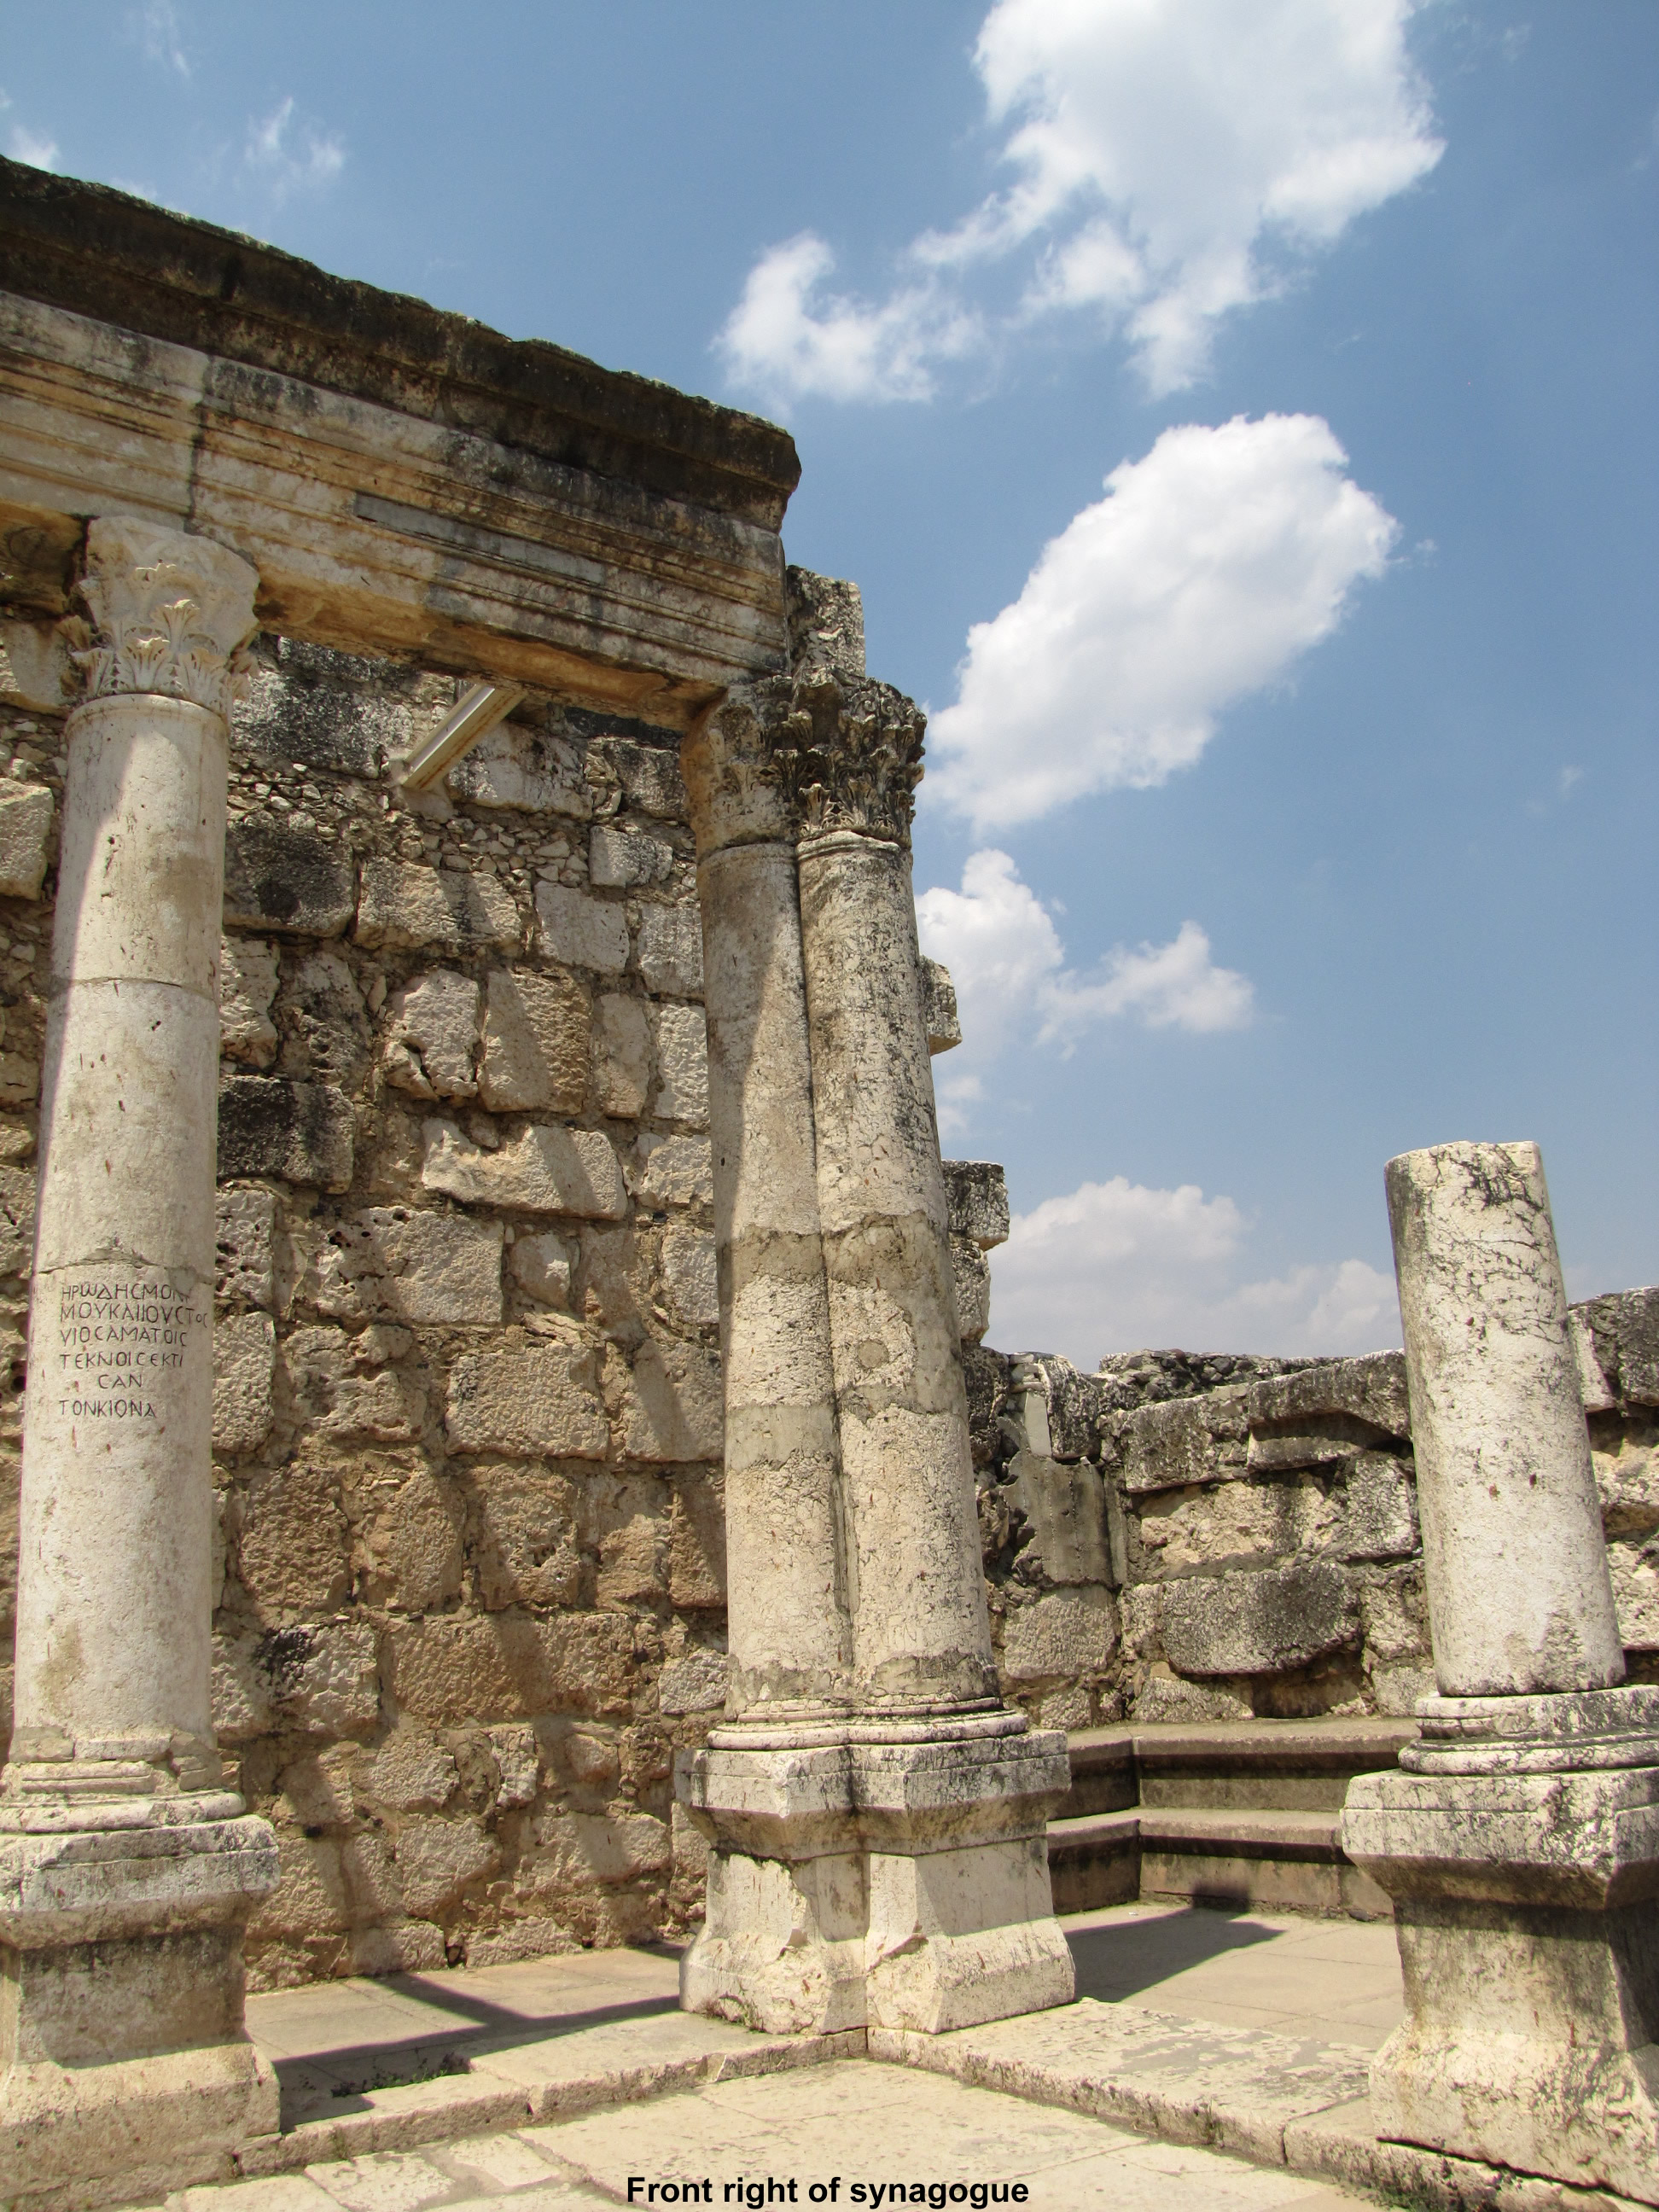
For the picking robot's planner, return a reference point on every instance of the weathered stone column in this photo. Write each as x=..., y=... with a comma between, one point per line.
x=779, y=1944
x=1520, y=1838
x=955, y=1788
x=126, y=1867
x=878, y=1849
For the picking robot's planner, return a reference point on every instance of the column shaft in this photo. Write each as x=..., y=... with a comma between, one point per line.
x=1519, y=1597
x=921, y=1630
x=787, y=1620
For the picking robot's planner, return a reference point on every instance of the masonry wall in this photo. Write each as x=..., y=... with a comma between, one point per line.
x=467, y=1419
x=1183, y=1539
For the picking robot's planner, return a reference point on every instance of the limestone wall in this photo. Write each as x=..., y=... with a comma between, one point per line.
x=1176, y=1538
x=467, y=1409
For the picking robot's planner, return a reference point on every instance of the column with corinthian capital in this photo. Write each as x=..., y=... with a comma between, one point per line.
x=126, y=1867
x=880, y=1858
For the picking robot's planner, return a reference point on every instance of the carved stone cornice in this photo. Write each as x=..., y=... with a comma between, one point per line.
x=170, y=614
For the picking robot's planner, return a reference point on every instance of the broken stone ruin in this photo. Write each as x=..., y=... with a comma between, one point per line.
x=502, y=1468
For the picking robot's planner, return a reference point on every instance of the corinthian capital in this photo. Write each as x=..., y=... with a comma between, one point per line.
x=169, y=613
x=848, y=751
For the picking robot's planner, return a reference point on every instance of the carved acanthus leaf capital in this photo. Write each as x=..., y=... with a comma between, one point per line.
x=170, y=614
x=848, y=751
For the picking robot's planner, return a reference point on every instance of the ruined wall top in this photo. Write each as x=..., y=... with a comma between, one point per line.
x=104, y=254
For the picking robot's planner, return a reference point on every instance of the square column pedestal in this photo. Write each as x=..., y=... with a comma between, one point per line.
x=125, y=2066
x=1524, y=1871
x=878, y=1883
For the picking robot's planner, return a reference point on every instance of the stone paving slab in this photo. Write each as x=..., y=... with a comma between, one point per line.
x=854, y=2124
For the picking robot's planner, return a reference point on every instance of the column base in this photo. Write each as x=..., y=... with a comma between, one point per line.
x=890, y=1884
x=125, y=2065
x=1525, y=1912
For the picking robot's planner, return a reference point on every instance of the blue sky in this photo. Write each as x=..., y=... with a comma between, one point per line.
x=1292, y=801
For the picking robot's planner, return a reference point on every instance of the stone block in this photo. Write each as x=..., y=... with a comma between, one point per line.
x=321, y=1678
x=340, y=1386
x=977, y=1193
x=1076, y=1404
x=649, y=776
x=532, y=771
x=938, y=1007
x=1166, y=1447
x=1394, y=1614
x=293, y=1549
x=392, y=1263
x=622, y=1056
x=17, y=1196
x=581, y=931
x=432, y=1037
x=410, y=1555
x=20, y=1078
x=623, y=1523
x=673, y=1171
x=1382, y=1508
x=524, y=1537
x=244, y=1364
x=1163, y=1697
x=323, y=1021
x=278, y=877
x=668, y=1405
x=620, y=856
x=1371, y=1390
x=1262, y=1623
x=696, y=1542
x=1243, y=1523
x=826, y=621
x=585, y=1848
x=1070, y=1634
x=301, y=1131
x=1634, y=1567
x=1624, y=1330
x=245, y=1247
x=681, y=1038
x=970, y=1278
x=541, y=1267
x=309, y=704
x=437, y=1859
x=688, y=1277
x=25, y=818
x=247, y=984
x=670, y=951
x=1065, y=1511
x=535, y=1043
x=406, y=906
x=518, y=1764
x=546, y=1169
x=538, y=1400
x=507, y=1666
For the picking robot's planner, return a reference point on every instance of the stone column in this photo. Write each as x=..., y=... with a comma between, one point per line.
x=779, y=1944
x=1520, y=1837
x=126, y=1867
x=879, y=1856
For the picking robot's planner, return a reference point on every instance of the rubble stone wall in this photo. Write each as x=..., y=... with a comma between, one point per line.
x=467, y=1411
x=1184, y=1539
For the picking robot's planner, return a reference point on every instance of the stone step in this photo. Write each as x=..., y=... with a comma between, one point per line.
x=1242, y=1813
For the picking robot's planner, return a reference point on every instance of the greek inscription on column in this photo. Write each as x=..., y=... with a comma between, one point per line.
x=127, y=1344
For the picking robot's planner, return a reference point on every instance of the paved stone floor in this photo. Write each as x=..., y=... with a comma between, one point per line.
x=342, y=2048
x=851, y=2122
x=1336, y=1980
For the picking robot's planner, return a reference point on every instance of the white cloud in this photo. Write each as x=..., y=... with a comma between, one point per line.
x=789, y=338
x=156, y=26
x=1209, y=568
x=31, y=146
x=1116, y=1266
x=1008, y=964
x=1174, y=160
x=287, y=159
